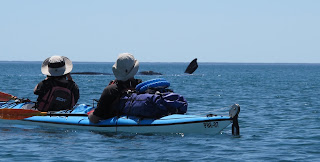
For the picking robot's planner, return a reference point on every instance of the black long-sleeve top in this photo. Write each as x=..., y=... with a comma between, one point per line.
x=110, y=96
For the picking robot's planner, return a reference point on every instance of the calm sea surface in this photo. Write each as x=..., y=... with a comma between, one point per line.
x=279, y=118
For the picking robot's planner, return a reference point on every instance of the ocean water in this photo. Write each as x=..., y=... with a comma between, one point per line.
x=279, y=118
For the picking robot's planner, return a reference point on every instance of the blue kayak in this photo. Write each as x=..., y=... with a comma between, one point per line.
x=176, y=123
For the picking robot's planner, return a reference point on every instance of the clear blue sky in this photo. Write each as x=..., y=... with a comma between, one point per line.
x=272, y=31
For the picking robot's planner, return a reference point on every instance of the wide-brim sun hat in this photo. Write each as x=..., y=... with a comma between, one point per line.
x=56, y=66
x=125, y=67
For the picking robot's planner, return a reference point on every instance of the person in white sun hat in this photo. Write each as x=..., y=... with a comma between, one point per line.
x=124, y=70
x=57, y=91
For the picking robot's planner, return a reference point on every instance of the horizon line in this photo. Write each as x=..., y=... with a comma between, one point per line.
x=180, y=62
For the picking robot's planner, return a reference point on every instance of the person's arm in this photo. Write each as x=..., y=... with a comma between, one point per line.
x=38, y=88
x=93, y=118
x=35, y=89
x=75, y=89
x=104, y=108
x=76, y=92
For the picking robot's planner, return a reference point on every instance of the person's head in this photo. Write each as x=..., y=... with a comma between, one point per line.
x=56, y=66
x=125, y=67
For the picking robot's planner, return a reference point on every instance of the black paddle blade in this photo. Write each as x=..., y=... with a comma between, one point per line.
x=192, y=66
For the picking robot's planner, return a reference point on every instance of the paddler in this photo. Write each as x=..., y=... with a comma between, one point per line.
x=124, y=70
x=57, y=91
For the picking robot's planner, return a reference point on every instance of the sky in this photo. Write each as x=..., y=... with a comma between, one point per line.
x=241, y=31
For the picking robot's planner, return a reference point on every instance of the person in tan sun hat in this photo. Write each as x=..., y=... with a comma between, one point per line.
x=124, y=70
x=57, y=91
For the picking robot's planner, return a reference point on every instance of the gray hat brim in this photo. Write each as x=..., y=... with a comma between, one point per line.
x=57, y=71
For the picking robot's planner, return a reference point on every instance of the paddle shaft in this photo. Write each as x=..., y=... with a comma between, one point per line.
x=19, y=114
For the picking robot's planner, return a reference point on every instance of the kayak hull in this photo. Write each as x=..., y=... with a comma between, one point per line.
x=202, y=125
x=176, y=123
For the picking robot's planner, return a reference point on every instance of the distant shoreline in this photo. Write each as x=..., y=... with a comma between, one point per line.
x=248, y=63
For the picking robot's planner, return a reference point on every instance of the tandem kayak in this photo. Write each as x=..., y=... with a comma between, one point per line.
x=77, y=119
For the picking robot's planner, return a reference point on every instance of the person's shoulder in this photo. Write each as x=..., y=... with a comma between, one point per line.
x=112, y=86
x=46, y=82
x=112, y=82
x=71, y=82
x=111, y=89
